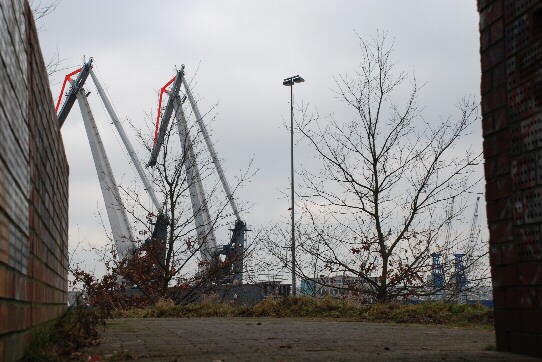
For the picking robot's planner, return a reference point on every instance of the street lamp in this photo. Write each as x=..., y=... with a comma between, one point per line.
x=289, y=82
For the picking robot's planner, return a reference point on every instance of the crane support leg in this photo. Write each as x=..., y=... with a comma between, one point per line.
x=211, y=148
x=125, y=140
x=120, y=227
x=204, y=229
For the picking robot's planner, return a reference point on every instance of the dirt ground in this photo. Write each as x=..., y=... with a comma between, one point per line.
x=288, y=339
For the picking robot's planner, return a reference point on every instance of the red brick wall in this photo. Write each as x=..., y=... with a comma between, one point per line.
x=511, y=59
x=33, y=187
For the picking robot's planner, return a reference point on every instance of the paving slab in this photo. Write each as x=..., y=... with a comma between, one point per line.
x=289, y=339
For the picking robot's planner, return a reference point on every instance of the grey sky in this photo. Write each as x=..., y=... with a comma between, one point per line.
x=243, y=50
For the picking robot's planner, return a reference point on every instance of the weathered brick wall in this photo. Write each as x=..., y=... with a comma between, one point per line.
x=511, y=57
x=33, y=187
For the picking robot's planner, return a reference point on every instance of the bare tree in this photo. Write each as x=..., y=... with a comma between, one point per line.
x=376, y=208
x=41, y=9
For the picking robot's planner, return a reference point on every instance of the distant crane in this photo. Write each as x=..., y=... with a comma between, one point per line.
x=460, y=277
x=438, y=275
x=475, y=223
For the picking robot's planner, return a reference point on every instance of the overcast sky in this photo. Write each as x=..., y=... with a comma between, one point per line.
x=242, y=51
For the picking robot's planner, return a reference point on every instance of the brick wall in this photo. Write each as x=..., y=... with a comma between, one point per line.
x=33, y=187
x=511, y=59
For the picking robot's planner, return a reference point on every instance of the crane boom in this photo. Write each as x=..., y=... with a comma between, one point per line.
x=122, y=234
x=166, y=117
x=72, y=94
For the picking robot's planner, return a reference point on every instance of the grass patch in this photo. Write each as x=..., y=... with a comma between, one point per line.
x=431, y=313
x=306, y=307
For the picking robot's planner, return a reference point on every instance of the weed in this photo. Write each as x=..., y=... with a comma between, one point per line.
x=56, y=341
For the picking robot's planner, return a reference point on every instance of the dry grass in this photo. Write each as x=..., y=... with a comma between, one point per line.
x=305, y=307
x=432, y=313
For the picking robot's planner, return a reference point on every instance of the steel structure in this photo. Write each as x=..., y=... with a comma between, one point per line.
x=121, y=231
x=460, y=277
x=204, y=224
x=116, y=212
x=438, y=275
x=475, y=224
x=120, y=227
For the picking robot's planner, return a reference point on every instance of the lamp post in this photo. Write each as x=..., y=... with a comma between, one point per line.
x=289, y=82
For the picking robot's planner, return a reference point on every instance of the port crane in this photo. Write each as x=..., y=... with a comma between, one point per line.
x=121, y=231
x=210, y=252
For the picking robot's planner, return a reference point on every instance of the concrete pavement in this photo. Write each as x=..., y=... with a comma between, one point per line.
x=287, y=339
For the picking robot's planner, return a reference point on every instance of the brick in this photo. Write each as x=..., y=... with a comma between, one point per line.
x=507, y=320
x=497, y=166
x=491, y=12
x=508, y=253
x=500, y=231
x=495, y=255
x=501, y=338
x=530, y=321
x=521, y=297
x=487, y=124
x=497, y=143
x=497, y=30
x=524, y=343
x=524, y=172
x=499, y=298
x=493, y=56
x=504, y=276
x=530, y=274
x=500, y=209
x=481, y=4
x=499, y=75
x=33, y=217
x=495, y=99
x=485, y=39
